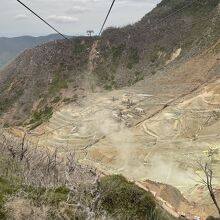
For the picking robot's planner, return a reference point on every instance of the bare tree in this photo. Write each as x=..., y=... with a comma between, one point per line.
x=23, y=147
x=207, y=180
x=24, y=163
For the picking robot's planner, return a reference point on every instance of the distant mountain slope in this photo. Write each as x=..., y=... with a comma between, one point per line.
x=11, y=47
x=48, y=75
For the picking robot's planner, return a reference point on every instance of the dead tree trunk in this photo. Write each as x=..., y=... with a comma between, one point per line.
x=208, y=182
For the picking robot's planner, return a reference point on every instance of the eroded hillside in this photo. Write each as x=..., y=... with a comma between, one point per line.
x=142, y=101
x=156, y=129
x=58, y=72
x=11, y=47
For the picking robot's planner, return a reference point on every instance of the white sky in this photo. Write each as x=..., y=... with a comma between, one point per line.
x=71, y=17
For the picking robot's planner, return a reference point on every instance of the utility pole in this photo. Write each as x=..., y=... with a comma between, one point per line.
x=90, y=32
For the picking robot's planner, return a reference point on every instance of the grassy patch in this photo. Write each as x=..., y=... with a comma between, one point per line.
x=38, y=195
x=57, y=84
x=40, y=116
x=42, y=195
x=104, y=77
x=5, y=190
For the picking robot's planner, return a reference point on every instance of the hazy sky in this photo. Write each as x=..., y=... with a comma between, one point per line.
x=70, y=17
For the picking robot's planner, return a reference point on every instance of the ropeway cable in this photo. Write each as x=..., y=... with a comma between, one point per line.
x=42, y=19
x=109, y=11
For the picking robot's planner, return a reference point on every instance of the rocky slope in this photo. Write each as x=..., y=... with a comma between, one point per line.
x=11, y=47
x=161, y=115
x=59, y=71
x=156, y=129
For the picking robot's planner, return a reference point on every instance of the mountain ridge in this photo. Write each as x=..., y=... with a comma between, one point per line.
x=142, y=101
x=12, y=46
x=121, y=57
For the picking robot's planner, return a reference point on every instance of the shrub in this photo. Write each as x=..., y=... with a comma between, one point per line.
x=117, y=53
x=56, y=99
x=7, y=101
x=5, y=190
x=122, y=198
x=80, y=47
x=133, y=57
x=38, y=117
x=46, y=195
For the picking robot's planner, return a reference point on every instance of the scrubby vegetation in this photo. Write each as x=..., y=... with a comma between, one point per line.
x=64, y=189
x=117, y=52
x=133, y=57
x=120, y=196
x=124, y=200
x=119, y=199
x=38, y=196
x=6, y=189
x=112, y=61
x=57, y=84
x=7, y=102
x=40, y=116
x=55, y=99
x=80, y=47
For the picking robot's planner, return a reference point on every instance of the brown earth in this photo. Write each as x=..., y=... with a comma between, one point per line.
x=155, y=130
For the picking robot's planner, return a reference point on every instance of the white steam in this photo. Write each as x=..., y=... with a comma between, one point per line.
x=129, y=159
